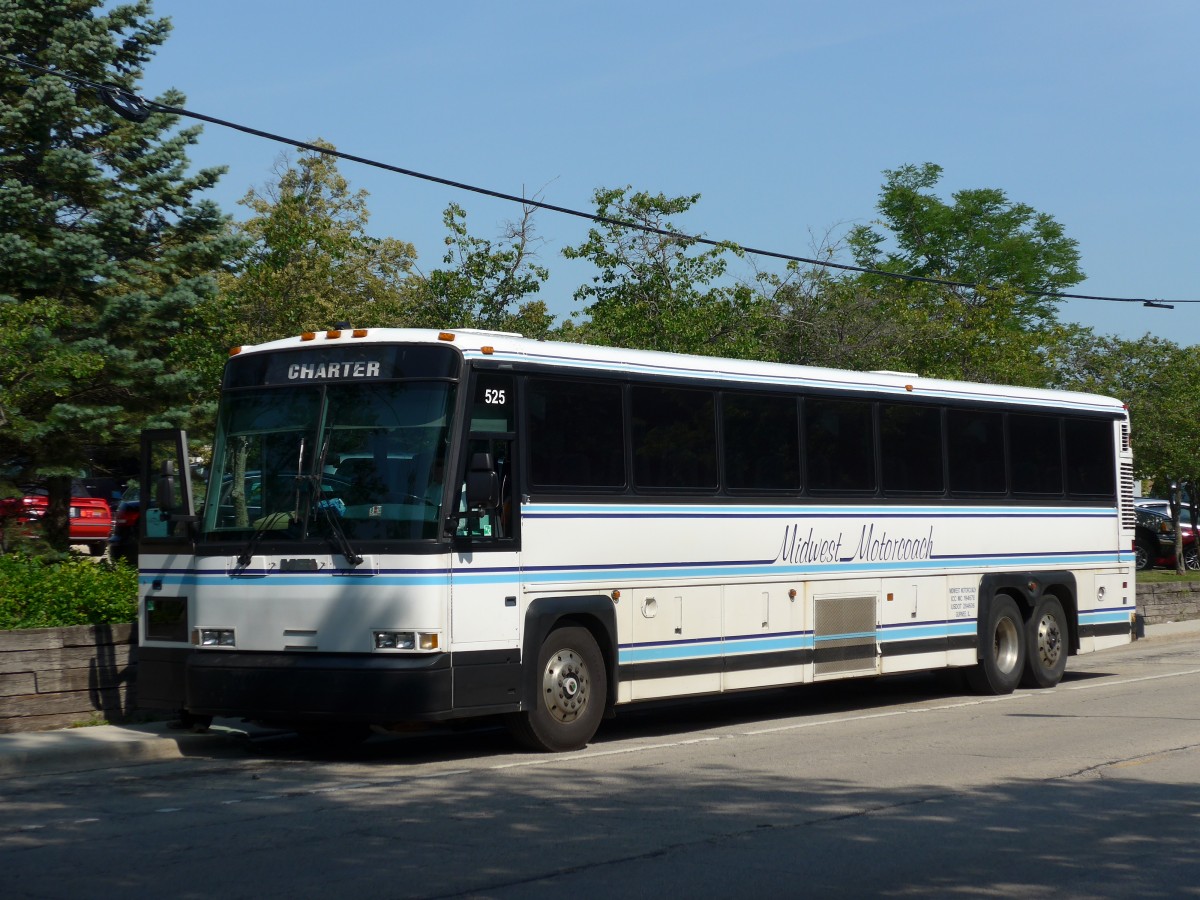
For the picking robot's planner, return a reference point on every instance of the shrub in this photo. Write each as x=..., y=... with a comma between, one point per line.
x=42, y=593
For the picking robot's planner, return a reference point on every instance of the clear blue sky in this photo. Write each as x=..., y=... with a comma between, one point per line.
x=781, y=115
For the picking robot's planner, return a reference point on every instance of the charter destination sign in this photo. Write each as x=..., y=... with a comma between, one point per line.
x=871, y=546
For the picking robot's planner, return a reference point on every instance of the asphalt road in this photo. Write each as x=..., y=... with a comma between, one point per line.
x=900, y=787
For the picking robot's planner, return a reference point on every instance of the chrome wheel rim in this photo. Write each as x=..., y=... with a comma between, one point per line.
x=566, y=686
x=1006, y=645
x=1049, y=641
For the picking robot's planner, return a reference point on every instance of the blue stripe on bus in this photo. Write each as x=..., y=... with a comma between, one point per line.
x=617, y=511
x=663, y=651
x=631, y=571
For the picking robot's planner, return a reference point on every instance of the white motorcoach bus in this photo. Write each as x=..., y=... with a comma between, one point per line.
x=405, y=525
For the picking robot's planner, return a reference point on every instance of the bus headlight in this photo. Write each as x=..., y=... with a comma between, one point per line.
x=214, y=637
x=395, y=640
x=405, y=640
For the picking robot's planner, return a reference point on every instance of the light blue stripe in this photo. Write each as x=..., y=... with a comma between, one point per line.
x=762, y=511
x=1105, y=617
x=668, y=653
x=768, y=644
x=626, y=574
x=917, y=632
x=747, y=646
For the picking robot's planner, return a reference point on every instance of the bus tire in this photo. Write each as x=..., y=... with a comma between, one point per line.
x=1045, y=644
x=571, y=690
x=1003, y=644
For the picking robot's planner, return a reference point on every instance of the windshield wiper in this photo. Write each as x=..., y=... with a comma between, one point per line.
x=340, y=541
x=265, y=524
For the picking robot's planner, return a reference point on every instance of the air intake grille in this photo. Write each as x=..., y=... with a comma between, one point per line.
x=1128, y=516
x=845, y=635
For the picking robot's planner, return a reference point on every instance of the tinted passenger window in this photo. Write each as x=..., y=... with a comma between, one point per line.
x=576, y=435
x=839, y=445
x=1035, y=454
x=911, y=444
x=975, y=441
x=1090, y=458
x=761, y=437
x=674, y=438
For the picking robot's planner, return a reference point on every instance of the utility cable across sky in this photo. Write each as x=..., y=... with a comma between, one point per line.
x=135, y=108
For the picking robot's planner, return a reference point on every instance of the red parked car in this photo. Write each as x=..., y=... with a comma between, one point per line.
x=91, y=519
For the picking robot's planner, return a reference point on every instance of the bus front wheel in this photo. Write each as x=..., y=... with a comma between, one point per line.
x=571, y=692
x=1003, y=652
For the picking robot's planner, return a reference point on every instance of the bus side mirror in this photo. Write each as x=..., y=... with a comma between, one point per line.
x=483, y=487
x=164, y=496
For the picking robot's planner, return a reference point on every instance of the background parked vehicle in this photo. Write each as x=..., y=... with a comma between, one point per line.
x=91, y=519
x=1154, y=504
x=123, y=542
x=1154, y=541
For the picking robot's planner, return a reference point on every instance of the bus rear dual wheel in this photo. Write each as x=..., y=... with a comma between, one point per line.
x=572, y=689
x=1029, y=652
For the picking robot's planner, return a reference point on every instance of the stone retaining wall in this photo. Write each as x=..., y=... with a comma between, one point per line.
x=57, y=677
x=1168, y=602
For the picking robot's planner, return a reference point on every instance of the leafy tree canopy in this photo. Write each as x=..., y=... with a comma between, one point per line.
x=106, y=248
x=309, y=262
x=653, y=293
x=982, y=239
x=485, y=284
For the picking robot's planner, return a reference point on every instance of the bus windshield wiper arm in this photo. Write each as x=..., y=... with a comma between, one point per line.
x=337, y=534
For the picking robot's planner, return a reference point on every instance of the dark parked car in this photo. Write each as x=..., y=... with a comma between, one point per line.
x=1154, y=541
x=123, y=544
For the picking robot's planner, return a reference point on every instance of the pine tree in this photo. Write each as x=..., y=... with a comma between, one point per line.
x=105, y=248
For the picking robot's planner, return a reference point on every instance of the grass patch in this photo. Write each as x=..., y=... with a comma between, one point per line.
x=1165, y=576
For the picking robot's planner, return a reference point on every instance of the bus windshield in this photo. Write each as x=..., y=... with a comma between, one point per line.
x=307, y=462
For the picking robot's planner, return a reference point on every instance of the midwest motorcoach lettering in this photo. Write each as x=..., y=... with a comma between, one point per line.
x=892, y=549
x=798, y=547
x=809, y=548
x=329, y=371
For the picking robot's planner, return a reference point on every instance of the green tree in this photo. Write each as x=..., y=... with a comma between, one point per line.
x=822, y=318
x=653, y=293
x=309, y=262
x=485, y=284
x=105, y=247
x=1002, y=327
x=1156, y=379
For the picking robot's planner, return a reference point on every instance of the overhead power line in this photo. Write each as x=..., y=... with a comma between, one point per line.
x=136, y=108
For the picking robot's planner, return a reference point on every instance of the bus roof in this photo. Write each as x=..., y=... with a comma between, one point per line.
x=510, y=347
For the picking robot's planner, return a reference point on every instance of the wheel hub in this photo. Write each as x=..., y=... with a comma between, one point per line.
x=565, y=685
x=1006, y=644
x=1049, y=641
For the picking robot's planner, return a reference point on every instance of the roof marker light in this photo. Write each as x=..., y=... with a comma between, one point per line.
x=487, y=351
x=445, y=336
x=308, y=335
x=333, y=334
x=234, y=351
x=359, y=332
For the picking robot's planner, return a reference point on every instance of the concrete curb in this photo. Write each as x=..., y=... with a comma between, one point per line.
x=107, y=746
x=110, y=746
